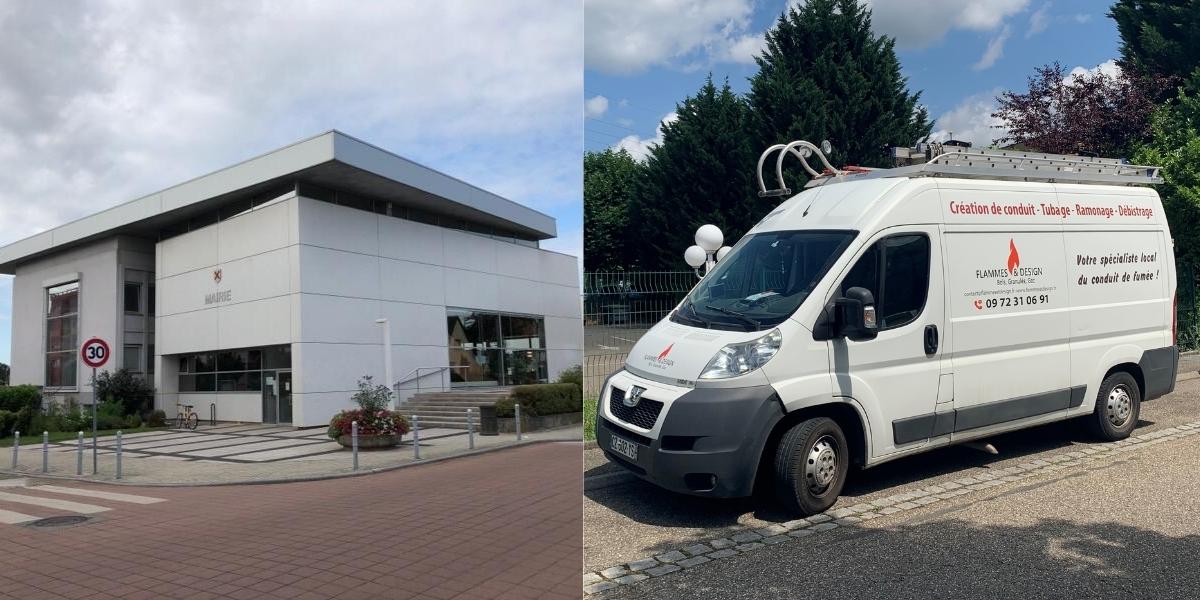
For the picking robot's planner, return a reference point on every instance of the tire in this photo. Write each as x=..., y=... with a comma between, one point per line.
x=1118, y=404
x=192, y=421
x=811, y=463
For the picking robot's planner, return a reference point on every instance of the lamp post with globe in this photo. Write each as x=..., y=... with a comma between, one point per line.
x=707, y=251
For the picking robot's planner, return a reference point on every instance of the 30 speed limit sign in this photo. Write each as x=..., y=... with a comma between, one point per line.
x=94, y=353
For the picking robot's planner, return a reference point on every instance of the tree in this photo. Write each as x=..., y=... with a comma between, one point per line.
x=1175, y=146
x=1090, y=113
x=825, y=76
x=134, y=394
x=702, y=172
x=608, y=186
x=3, y=374
x=1158, y=39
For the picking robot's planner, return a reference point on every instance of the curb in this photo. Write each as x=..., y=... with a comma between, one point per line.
x=423, y=462
x=748, y=539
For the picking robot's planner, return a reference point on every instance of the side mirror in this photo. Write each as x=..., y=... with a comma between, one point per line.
x=856, y=318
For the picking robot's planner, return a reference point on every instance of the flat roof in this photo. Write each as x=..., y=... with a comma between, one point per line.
x=331, y=159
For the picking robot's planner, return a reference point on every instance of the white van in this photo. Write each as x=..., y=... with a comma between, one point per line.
x=884, y=313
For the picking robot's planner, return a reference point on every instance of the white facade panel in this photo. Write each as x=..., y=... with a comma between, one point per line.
x=338, y=272
x=411, y=241
x=470, y=289
x=255, y=232
x=404, y=281
x=331, y=226
x=180, y=254
x=258, y=323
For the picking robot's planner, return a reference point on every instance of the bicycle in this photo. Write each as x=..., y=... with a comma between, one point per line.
x=186, y=417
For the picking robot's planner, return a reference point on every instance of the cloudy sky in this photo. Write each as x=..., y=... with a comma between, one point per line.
x=643, y=57
x=104, y=101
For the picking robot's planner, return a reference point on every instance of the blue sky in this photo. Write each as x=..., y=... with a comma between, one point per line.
x=109, y=100
x=959, y=53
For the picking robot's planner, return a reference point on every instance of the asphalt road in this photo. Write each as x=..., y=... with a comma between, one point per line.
x=504, y=524
x=1122, y=531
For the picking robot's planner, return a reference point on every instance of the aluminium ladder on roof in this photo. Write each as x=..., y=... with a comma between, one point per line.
x=960, y=162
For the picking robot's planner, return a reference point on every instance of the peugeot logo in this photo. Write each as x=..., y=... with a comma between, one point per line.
x=633, y=397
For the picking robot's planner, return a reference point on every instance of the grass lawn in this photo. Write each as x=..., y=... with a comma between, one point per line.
x=589, y=419
x=59, y=436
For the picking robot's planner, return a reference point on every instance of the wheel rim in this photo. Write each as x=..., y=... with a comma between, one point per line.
x=1120, y=406
x=820, y=466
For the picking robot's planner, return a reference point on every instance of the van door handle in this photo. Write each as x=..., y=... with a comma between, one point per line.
x=931, y=340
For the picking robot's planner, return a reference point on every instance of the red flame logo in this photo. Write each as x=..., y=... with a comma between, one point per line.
x=666, y=352
x=1014, y=259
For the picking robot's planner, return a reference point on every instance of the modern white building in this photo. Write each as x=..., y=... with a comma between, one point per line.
x=256, y=289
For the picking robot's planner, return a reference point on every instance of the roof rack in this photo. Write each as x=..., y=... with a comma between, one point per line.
x=944, y=160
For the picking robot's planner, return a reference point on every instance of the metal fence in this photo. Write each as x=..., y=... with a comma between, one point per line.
x=618, y=307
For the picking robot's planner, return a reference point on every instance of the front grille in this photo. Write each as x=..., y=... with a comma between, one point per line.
x=644, y=415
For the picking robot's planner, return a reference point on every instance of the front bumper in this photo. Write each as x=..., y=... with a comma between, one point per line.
x=709, y=440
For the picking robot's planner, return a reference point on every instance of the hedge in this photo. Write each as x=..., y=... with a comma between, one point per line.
x=14, y=398
x=543, y=399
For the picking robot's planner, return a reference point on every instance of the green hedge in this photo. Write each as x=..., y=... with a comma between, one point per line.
x=14, y=398
x=541, y=400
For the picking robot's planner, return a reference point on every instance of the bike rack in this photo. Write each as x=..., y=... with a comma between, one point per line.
x=212, y=414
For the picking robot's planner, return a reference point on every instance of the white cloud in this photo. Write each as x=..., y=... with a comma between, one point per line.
x=1039, y=20
x=595, y=106
x=1108, y=67
x=628, y=36
x=105, y=101
x=917, y=24
x=639, y=147
x=971, y=120
x=994, y=50
x=744, y=49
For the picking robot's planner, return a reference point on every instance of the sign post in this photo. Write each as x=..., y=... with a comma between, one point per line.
x=94, y=353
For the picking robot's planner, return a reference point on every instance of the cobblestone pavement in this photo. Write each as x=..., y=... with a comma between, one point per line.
x=242, y=453
x=635, y=533
x=504, y=524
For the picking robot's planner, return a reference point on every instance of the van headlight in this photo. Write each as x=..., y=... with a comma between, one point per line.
x=739, y=359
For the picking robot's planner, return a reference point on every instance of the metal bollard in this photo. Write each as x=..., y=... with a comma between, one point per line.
x=79, y=456
x=16, y=447
x=118, y=454
x=354, y=442
x=471, y=428
x=416, y=437
x=45, y=452
x=517, y=409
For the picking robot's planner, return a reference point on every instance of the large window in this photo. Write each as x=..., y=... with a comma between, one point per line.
x=763, y=280
x=488, y=348
x=896, y=271
x=62, y=334
x=231, y=370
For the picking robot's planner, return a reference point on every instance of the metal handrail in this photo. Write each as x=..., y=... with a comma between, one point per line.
x=415, y=374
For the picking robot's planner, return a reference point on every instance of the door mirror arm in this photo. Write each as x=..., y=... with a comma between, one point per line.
x=851, y=316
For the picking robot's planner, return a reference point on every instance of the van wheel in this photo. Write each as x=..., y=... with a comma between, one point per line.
x=811, y=462
x=1117, y=407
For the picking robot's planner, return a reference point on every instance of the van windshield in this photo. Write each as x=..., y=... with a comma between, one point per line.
x=763, y=280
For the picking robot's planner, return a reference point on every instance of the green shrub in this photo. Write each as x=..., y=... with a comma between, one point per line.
x=134, y=421
x=129, y=391
x=16, y=397
x=542, y=399
x=75, y=419
x=156, y=418
x=573, y=375
x=8, y=418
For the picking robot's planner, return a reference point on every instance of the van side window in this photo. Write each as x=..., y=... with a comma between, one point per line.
x=896, y=271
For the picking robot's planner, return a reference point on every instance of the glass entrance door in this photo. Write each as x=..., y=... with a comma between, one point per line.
x=277, y=396
x=285, y=397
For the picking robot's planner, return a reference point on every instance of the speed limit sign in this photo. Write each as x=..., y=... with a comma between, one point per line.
x=94, y=353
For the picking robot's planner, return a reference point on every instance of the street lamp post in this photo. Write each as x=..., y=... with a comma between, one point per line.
x=387, y=356
x=707, y=251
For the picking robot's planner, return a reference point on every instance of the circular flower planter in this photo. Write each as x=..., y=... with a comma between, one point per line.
x=366, y=442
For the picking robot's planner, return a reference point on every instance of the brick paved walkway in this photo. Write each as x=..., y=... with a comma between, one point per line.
x=501, y=525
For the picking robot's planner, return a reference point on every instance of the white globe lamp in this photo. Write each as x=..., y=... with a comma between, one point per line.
x=695, y=256
x=722, y=252
x=709, y=238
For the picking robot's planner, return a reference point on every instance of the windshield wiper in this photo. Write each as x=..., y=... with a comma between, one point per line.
x=734, y=313
x=696, y=316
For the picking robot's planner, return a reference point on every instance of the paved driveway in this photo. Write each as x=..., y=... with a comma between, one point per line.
x=634, y=521
x=500, y=525
x=235, y=443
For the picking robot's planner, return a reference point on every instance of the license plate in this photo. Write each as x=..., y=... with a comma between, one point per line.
x=625, y=448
